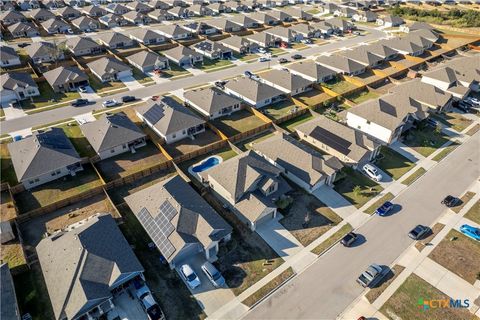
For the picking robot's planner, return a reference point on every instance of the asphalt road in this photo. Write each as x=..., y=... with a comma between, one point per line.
x=327, y=287
x=61, y=113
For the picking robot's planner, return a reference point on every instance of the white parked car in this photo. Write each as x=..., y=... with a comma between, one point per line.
x=263, y=59
x=474, y=100
x=189, y=276
x=82, y=89
x=372, y=172
x=110, y=103
x=262, y=50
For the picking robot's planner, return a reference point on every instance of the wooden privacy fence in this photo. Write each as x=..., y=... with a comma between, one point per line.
x=244, y=135
x=299, y=112
x=208, y=148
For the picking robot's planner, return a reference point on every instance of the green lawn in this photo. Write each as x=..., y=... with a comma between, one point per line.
x=334, y=238
x=339, y=86
x=346, y=184
x=79, y=141
x=102, y=87
x=362, y=96
x=174, y=71
x=313, y=11
x=393, y=163
x=404, y=304
x=280, y=109
x=57, y=190
x=453, y=120
x=245, y=145
x=425, y=140
x=269, y=287
x=474, y=213
x=414, y=176
x=292, y=123
x=6, y=166
x=32, y=294
x=249, y=57
x=48, y=96
x=141, y=77
x=237, y=122
x=374, y=293
x=371, y=210
x=277, y=51
x=445, y=151
x=209, y=64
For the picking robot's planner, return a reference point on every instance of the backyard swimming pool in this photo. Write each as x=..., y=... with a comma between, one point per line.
x=205, y=164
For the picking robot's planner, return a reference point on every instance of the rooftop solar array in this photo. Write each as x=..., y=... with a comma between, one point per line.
x=154, y=114
x=52, y=139
x=388, y=109
x=159, y=228
x=331, y=140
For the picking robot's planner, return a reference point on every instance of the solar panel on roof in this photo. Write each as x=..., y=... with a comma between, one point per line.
x=331, y=140
x=154, y=114
x=159, y=229
x=388, y=109
x=53, y=141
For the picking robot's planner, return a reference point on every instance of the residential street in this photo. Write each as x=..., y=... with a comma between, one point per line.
x=58, y=114
x=328, y=286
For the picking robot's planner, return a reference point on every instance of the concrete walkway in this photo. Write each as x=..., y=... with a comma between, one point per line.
x=406, y=151
x=279, y=238
x=131, y=83
x=13, y=112
x=90, y=94
x=84, y=118
x=335, y=201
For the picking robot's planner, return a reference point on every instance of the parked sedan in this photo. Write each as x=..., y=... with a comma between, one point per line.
x=470, y=231
x=450, y=201
x=473, y=100
x=189, y=276
x=384, y=209
x=110, y=103
x=263, y=59
x=80, y=102
x=128, y=98
x=297, y=56
x=418, y=232
x=349, y=239
x=282, y=60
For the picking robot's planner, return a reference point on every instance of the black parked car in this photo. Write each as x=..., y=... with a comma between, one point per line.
x=450, y=201
x=80, y=102
x=465, y=107
x=128, y=98
x=282, y=60
x=418, y=232
x=349, y=239
x=297, y=56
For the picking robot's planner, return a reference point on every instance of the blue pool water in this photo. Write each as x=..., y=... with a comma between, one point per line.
x=207, y=164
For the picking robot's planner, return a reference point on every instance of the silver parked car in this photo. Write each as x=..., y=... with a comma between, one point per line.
x=213, y=274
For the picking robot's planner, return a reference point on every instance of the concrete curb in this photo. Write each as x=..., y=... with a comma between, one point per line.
x=272, y=291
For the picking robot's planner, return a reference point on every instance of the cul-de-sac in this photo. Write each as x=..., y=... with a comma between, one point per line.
x=240, y=159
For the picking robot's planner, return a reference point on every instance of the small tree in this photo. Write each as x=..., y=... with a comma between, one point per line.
x=357, y=190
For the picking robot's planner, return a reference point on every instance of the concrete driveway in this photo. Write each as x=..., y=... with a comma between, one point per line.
x=279, y=238
x=208, y=297
x=335, y=201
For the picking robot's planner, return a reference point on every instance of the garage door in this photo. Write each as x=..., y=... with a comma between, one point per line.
x=266, y=218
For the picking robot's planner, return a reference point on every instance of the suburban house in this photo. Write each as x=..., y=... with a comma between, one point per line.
x=158, y=4
x=264, y=18
x=283, y=80
x=339, y=25
x=201, y=10
x=417, y=25
x=212, y=102
x=405, y=46
x=364, y=56
x=219, y=7
x=64, y=79
x=174, y=31
x=312, y=71
x=26, y=5
x=113, y=134
x=43, y=157
x=282, y=34
x=457, y=77
x=365, y=16
x=109, y=69
x=324, y=28
x=95, y=264
x=183, y=56
x=180, y=12
x=200, y=28
x=344, y=12
x=179, y=221
x=255, y=93
x=113, y=20
x=137, y=18
x=249, y=186
x=329, y=7
x=390, y=21
x=349, y=145
x=23, y=30
x=12, y=17
x=245, y=21
x=308, y=168
x=212, y=49
x=115, y=40
x=160, y=15
x=281, y=15
x=8, y=57
x=170, y=120
x=81, y=46
x=94, y=11
x=146, y=36
x=305, y=31
x=41, y=14
x=55, y=25
x=86, y=24
x=383, y=51
x=342, y=64
x=298, y=13
x=9, y=305
x=225, y=25
x=263, y=39
x=147, y=61
x=138, y=6
x=239, y=44
x=17, y=86
x=69, y=13
x=117, y=8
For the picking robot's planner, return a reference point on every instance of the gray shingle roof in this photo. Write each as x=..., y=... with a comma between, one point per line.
x=146, y=58
x=210, y=99
x=42, y=153
x=9, y=307
x=253, y=90
x=311, y=69
x=108, y=65
x=8, y=53
x=168, y=116
x=81, y=265
x=15, y=80
x=111, y=130
x=62, y=75
x=192, y=218
x=81, y=43
x=341, y=63
x=363, y=55
x=180, y=52
x=286, y=79
x=298, y=159
x=113, y=38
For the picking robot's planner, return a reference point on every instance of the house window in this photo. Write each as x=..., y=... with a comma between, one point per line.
x=174, y=135
x=31, y=182
x=112, y=151
x=37, y=180
x=124, y=146
x=53, y=174
x=58, y=171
